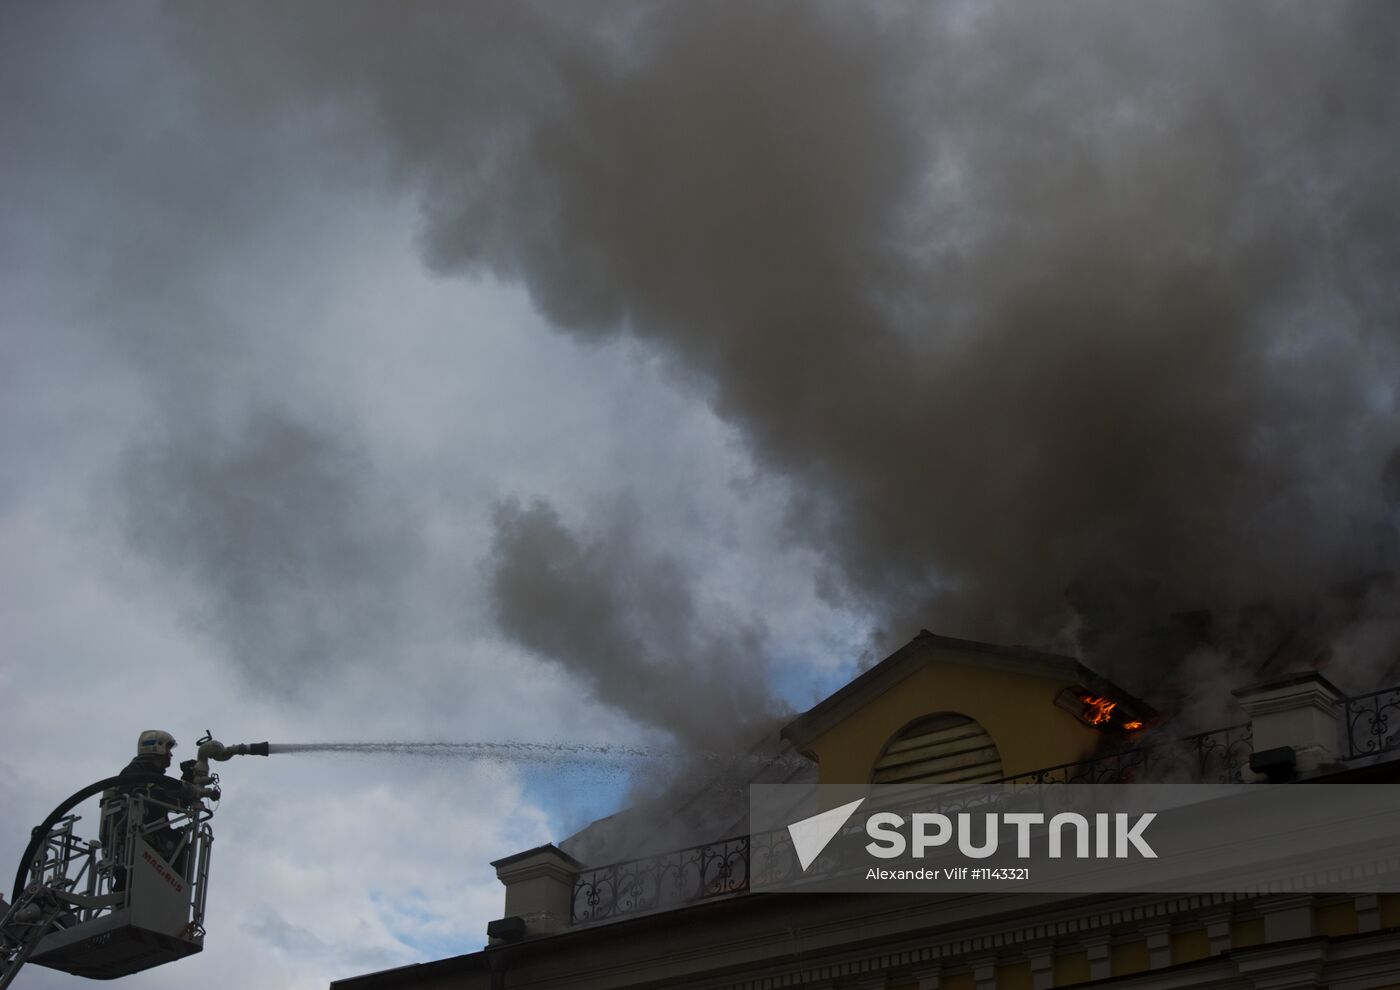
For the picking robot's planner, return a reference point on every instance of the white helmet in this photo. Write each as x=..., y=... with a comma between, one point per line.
x=154, y=742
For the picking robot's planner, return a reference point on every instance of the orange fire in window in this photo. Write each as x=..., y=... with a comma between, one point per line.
x=1097, y=709
x=1102, y=711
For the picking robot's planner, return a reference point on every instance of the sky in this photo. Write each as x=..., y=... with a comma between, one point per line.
x=633, y=375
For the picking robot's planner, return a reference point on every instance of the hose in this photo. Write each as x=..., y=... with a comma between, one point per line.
x=41, y=831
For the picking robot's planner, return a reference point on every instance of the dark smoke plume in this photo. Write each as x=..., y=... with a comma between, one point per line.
x=296, y=556
x=626, y=624
x=1026, y=298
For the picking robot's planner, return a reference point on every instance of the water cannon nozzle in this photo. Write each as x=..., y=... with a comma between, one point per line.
x=212, y=749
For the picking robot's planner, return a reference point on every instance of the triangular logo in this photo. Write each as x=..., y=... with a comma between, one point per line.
x=811, y=835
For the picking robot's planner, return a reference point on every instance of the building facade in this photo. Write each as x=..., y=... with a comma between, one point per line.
x=951, y=711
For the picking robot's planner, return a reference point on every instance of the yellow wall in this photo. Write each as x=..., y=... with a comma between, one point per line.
x=1190, y=946
x=1243, y=934
x=1335, y=919
x=1017, y=710
x=1130, y=958
x=1016, y=976
x=1390, y=910
x=1072, y=967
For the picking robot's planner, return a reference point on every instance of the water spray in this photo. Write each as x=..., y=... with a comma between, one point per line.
x=558, y=754
x=518, y=752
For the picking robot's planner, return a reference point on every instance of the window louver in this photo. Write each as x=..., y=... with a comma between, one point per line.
x=940, y=749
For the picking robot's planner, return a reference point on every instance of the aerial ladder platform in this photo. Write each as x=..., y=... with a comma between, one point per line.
x=129, y=899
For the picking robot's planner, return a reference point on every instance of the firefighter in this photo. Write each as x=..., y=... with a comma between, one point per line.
x=154, y=754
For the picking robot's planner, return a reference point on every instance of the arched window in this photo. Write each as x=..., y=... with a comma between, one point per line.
x=946, y=748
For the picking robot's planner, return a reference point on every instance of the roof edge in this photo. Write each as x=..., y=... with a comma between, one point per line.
x=913, y=655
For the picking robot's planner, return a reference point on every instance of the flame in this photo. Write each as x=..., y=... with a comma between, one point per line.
x=1132, y=726
x=1097, y=709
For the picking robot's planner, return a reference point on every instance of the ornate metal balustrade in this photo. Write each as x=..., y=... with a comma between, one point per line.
x=671, y=879
x=716, y=869
x=1373, y=722
x=722, y=868
x=1215, y=757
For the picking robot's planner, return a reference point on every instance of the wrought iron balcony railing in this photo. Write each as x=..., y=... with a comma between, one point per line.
x=1216, y=757
x=719, y=869
x=1373, y=722
x=640, y=886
